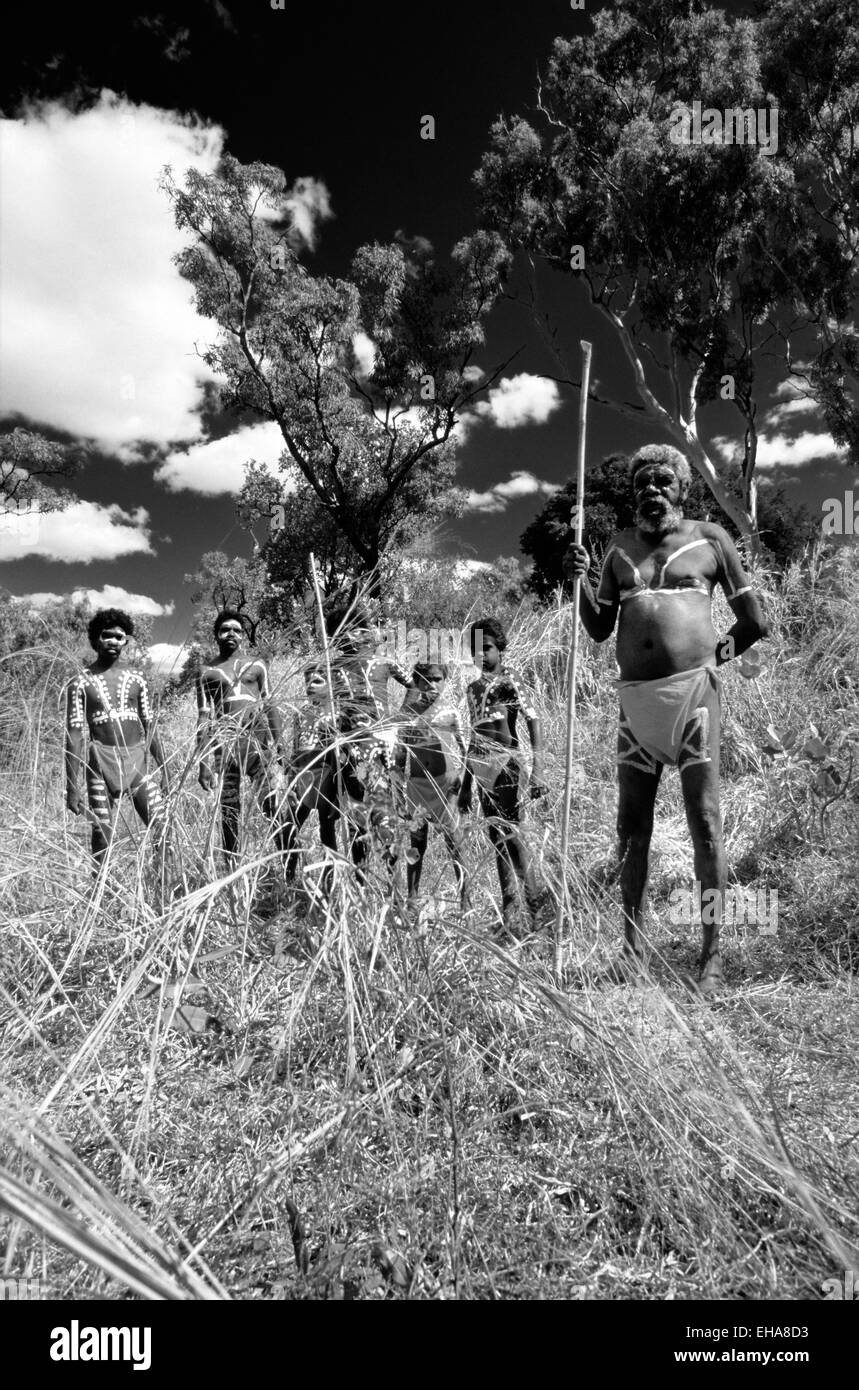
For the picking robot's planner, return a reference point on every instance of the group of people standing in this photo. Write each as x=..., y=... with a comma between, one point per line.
x=352, y=760
x=348, y=757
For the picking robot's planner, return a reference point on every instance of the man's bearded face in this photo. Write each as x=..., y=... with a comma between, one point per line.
x=657, y=499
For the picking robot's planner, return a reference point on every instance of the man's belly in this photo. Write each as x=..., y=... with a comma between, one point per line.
x=661, y=635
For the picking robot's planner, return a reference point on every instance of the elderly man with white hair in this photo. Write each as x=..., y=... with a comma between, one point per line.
x=657, y=583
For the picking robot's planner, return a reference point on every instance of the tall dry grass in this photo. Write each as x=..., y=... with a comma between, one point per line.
x=211, y=1091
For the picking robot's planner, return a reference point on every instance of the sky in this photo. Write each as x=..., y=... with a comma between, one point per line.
x=99, y=338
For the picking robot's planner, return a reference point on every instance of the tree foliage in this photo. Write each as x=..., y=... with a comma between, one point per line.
x=26, y=460
x=811, y=65
x=221, y=582
x=298, y=525
x=432, y=591
x=703, y=258
x=369, y=444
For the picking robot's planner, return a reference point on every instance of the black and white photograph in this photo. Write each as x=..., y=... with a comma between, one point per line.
x=404, y=897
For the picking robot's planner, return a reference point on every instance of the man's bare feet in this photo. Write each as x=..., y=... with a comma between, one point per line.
x=710, y=979
x=510, y=930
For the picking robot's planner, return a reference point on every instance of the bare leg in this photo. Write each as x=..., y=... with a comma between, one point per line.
x=355, y=820
x=231, y=799
x=358, y=837
x=298, y=814
x=449, y=825
x=149, y=803
x=319, y=795
x=701, y=795
x=418, y=839
x=328, y=810
x=379, y=798
x=453, y=840
x=102, y=831
x=373, y=816
x=513, y=861
x=636, y=800
x=103, y=808
x=503, y=862
x=328, y=817
x=271, y=810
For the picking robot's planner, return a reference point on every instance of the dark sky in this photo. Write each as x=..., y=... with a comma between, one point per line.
x=336, y=91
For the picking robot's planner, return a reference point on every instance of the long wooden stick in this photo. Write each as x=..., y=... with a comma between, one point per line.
x=572, y=666
x=332, y=702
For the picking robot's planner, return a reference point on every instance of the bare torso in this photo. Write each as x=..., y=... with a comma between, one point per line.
x=664, y=590
x=110, y=703
x=233, y=690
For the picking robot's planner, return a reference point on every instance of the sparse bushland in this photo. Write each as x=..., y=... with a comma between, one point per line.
x=415, y=1110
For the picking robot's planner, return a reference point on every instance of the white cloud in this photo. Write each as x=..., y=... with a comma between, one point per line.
x=310, y=203
x=794, y=385
x=522, y=485
x=167, y=657
x=219, y=465
x=792, y=395
x=98, y=330
x=461, y=569
x=109, y=596
x=464, y=569
x=464, y=425
x=796, y=405
x=520, y=400
x=516, y=401
x=304, y=206
x=498, y=498
x=84, y=532
x=777, y=450
x=365, y=353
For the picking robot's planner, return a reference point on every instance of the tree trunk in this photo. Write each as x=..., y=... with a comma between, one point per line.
x=683, y=430
x=739, y=512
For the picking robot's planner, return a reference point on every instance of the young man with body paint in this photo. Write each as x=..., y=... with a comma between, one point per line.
x=110, y=703
x=239, y=723
x=313, y=768
x=362, y=676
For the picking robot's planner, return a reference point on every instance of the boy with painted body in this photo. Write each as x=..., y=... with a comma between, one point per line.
x=430, y=758
x=111, y=704
x=495, y=701
x=238, y=721
x=367, y=763
x=313, y=766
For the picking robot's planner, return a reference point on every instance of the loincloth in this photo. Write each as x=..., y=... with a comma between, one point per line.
x=490, y=764
x=668, y=720
x=118, y=769
x=313, y=779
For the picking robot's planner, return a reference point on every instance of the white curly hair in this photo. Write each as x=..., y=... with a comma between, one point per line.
x=663, y=454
